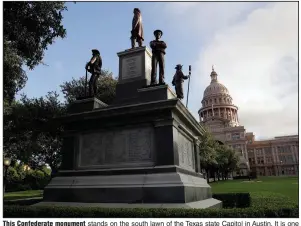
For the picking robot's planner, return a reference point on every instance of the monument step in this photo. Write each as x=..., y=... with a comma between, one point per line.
x=203, y=204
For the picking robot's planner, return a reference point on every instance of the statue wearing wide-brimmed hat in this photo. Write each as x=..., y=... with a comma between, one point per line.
x=178, y=80
x=137, y=28
x=158, y=50
x=94, y=67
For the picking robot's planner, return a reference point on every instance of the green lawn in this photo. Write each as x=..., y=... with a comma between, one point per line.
x=264, y=190
x=23, y=194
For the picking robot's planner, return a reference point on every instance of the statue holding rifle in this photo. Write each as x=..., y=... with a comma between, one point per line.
x=178, y=80
x=94, y=67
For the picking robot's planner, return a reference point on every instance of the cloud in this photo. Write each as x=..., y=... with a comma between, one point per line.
x=255, y=52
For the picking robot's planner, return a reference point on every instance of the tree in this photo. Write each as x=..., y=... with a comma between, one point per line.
x=207, y=153
x=105, y=92
x=14, y=76
x=30, y=133
x=222, y=159
x=28, y=28
x=233, y=160
x=216, y=159
x=227, y=160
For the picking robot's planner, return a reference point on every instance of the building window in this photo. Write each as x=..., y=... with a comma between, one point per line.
x=267, y=151
x=235, y=136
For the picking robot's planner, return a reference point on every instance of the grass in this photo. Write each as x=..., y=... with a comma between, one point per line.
x=264, y=190
x=23, y=194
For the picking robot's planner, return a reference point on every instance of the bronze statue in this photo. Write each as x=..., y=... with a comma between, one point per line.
x=158, y=50
x=137, y=28
x=178, y=80
x=94, y=67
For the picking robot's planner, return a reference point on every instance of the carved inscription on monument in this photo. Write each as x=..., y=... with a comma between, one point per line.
x=185, y=151
x=131, y=67
x=117, y=147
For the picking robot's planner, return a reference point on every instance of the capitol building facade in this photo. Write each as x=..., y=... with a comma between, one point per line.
x=275, y=157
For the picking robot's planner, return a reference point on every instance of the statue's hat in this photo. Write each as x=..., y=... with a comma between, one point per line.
x=95, y=51
x=137, y=9
x=157, y=31
x=178, y=66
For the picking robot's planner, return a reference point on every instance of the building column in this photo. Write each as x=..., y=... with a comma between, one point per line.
x=219, y=112
x=295, y=169
x=266, y=171
x=234, y=116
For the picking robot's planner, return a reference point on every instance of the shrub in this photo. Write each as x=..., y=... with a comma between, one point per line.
x=234, y=200
x=270, y=199
x=18, y=180
x=94, y=212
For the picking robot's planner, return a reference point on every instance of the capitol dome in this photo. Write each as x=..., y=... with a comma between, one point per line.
x=217, y=103
x=215, y=88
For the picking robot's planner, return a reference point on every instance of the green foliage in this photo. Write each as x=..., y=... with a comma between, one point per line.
x=94, y=212
x=28, y=29
x=30, y=133
x=234, y=200
x=19, y=179
x=32, y=27
x=207, y=150
x=265, y=191
x=271, y=199
x=14, y=77
x=106, y=88
x=23, y=195
x=216, y=158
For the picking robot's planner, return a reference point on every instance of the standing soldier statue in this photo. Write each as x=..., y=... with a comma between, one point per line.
x=158, y=50
x=94, y=67
x=178, y=80
x=137, y=28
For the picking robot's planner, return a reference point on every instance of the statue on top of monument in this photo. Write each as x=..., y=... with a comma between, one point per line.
x=137, y=28
x=178, y=80
x=94, y=67
x=158, y=49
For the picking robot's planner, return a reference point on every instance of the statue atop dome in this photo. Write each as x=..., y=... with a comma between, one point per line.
x=213, y=75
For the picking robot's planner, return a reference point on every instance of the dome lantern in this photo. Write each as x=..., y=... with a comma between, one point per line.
x=213, y=75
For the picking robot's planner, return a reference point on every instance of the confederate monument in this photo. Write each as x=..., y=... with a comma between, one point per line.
x=141, y=151
x=137, y=29
x=158, y=50
x=178, y=80
x=94, y=67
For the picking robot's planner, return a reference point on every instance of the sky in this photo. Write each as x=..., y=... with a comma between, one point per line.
x=252, y=45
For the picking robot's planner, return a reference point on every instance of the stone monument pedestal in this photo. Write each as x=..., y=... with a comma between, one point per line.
x=141, y=151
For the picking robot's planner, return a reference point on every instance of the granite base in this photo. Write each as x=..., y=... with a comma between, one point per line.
x=171, y=187
x=204, y=204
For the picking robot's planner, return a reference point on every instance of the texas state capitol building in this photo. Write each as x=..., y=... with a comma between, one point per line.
x=279, y=156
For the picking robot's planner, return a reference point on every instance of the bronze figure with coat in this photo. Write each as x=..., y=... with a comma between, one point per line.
x=158, y=49
x=94, y=67
x=178, y=80
x=137, y=29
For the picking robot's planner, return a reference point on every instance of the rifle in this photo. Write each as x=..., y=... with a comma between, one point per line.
x=188, y=85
